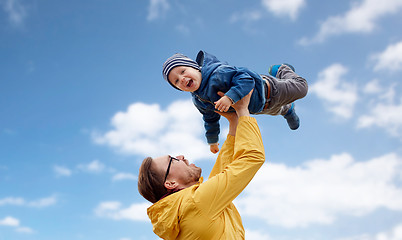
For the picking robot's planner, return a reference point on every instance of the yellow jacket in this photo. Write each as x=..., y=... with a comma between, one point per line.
x=205, y=210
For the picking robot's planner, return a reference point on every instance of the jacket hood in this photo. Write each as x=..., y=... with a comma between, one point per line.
x=164, y=217
x=208, y=64
x=164, y=214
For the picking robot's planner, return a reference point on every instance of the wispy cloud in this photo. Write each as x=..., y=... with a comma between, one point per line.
x=246, y=16
x=9, y=221
x=148, y=130
x=12, y=201
x=43, y=202
x=183, y=29
x=123, y=176
x=114, y=210
x=279, y=8
x=384, y=111
x=284, y=8
x=390, y=59
x=93, y=167
x=339, y=96
x=62, y=171
x=393, y=234
x=15, y=223
x=361, y=18
x=24, y=230
x=256, y=235
x=157, y=8
x=319, y=191
x=15, y=10
x=39, y=203
x=382, y=105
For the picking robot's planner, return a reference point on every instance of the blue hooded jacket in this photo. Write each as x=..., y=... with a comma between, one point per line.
x=235, y=82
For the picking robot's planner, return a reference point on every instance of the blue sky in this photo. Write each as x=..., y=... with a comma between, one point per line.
x=83, y=101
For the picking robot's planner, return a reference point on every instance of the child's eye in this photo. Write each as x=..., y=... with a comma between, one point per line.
x=176, y=81
x=183, y=71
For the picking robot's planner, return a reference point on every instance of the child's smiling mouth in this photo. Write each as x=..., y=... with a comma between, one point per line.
x=190, y=83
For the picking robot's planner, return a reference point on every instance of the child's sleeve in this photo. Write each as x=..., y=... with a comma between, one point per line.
x=242, y=84
x=212, y=127
x=235, y=82
x=211, y=122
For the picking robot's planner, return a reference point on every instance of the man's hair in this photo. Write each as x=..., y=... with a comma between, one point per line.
x=150, y=182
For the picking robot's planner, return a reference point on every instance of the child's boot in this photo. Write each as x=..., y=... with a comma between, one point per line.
x=273, y=70
x=292, y=118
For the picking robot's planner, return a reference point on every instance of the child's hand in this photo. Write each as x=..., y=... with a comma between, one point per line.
x=214, y=148
x=223, y=104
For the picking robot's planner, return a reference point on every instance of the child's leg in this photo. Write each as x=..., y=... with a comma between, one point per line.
x=290, y=85
x=285, y=109
x=284, y=90
x=287, y=87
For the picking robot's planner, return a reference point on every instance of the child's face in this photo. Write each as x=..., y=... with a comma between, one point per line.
x=185, y=78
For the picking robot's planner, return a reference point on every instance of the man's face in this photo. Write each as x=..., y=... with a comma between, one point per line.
x=185, y=78
x=180, y=170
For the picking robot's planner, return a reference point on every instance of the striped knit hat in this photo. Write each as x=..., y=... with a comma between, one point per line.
x=176, y=60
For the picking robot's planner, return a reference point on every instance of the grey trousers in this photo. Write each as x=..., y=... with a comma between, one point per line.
x=286, y=88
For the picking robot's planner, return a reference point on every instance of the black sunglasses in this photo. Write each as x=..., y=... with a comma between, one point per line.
x=168, y=168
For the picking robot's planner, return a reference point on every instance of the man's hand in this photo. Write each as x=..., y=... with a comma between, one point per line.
x=223, y=104
x=241, y=106
x=214, y=148
x=231, y=117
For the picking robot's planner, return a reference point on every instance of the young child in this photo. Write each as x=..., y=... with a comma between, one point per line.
x=273, y=95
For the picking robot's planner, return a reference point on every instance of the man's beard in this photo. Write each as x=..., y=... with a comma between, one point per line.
x=194, y=175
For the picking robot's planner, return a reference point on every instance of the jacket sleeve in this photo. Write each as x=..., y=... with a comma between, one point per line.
x=241, y=85
x=211, y=121
x=225, y=156
x=214, y=195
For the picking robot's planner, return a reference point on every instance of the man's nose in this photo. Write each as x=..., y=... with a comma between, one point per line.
x=181, y=157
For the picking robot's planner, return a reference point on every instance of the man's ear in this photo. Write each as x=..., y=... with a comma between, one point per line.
x=170, y=185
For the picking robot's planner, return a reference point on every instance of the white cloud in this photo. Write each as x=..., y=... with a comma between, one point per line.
x=14, y=222
x=93, y=167
x=43, y=202
x=246, y=16
x=124, y=176
x=62, y=171
x=16, y=11
x=113, y=210
x=384, y=112
x=183, y=29
x=361, y=18
x=9, y=221
x=319, y=191
x=256, y=235
x=338, y=95
x=147, y=130
x=280, y=8
x=393, y=234
x=12, y=201
x=372, y=87
x=286, y=8
x=157, y=8
x=390, y=59
x=24, y=230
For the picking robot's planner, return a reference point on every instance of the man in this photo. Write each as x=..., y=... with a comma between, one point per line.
x=184, y=206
